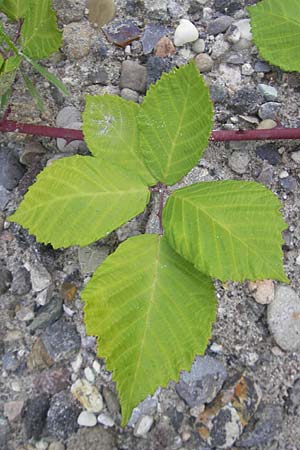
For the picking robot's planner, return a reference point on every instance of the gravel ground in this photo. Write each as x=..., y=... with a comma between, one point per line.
x=54, y=393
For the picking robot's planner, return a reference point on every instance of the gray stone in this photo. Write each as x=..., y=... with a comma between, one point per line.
x=219, y=48
x=289, y=184
x=5, y=280
x=61, y=340
x=96, y=438
x=218, y=93
x=11, y=171
x=70, y=10
x=52, y=381
x=13, y=410
x=87, y=419
x=204, y=62
x=4, y=433
x=47, y=314
x=21, y=284
x=100, y=76
x=219, y=25
x=238, y=161
x=4, y=197
x=246, y=101
x=77, y=40
x=199, y=46
x=203, y=382
x=296, y=157
x=269, y=92
x=261, y=66
x=91, y=257
x=284, y=319
x=129, y=94
x=112, y=402
x=293, y=401
x=156, y=66
x=152, y=34
x=147, y=407
x=232, y=34
x=269, y=110
x=62, y=416
x=35, y=415
x=268, y=152
x=143, y=425
x=67, y=115
x=10, y=362
x=133, y=76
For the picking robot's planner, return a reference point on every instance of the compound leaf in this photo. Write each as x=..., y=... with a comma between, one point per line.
x=175, y=122
x=39, y=35
x=110, y=131
x=230, y=230
x=152, y=312
x=276, y=32
x=78, y=200
x=14, y=9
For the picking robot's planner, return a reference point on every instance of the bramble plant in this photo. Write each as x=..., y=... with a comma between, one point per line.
x=151, y=303
x=36, y=37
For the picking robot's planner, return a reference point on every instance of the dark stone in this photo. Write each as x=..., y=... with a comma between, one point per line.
x=152, y=34
x=61, y=340
x=266, y=174
x=99, y=77
x=4, y=197
x=35, y=415
x=156, y=67
x=11, y=171
x=265, y=425
x=96, y=438
x=21, y=284
x=268, y=152
x=261, y=66
x=47, y=314
x=219, y=25
x=227, y=6
x=10, y=362
x=195, y=7
x=52, y=381
x=62, y=416
x=289, y=184
x=5, y=280
x=269, y=110
x=133, y=76
x=4, y=433
x=246, y=101
x=121, y=32
x=218, y=93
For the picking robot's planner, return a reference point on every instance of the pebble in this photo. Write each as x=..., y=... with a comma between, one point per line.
x=133, y=76
x=238, y=161
x=185, y=32
x=269, y=110
x=129, y=94
x=25, y=314
x=67, y=115
x=33, y=152
x=21, y=284
x=61, y=340
x=95, y=438
x=35, y=415
x=72, y=146
x=62, y=416
x=76, y=364
x=13, y=409
x=233, y=34
x=143, y=425
x=11, y=171
x=263, y=291
x=218, y=93
x=91, y=257
x=164, y=48
x=156, y=67
x=244, y=28
x=231, y=76
x=101, y=11
x=88, y=395
x=246, y=101
x=47, y=314
x=199, y=46
x=52, y=381
x=284, y=318
x=4, y=197
x=56, y=446
x=87, y=419
x=77, y=40
x=262, y=66
x=269, y=92
x=203, y=382
x=89, y=374
x=293, y=401
x=267, y=124
x=247, y=69
x=219, y=48
x=5, y=280
x=147, y=407
x=219, y=25
x=269, y=153
x=296, y=157
x=204, y=62
x=228, y=6
x=40, y=277
x=10, y=362
x=105, y=420
x=152, y=34
x=223, y=420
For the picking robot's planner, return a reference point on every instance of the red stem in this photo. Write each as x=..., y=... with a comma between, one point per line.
x=217, y=136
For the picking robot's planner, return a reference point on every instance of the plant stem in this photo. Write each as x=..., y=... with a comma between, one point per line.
x=160, y=211
x=217, y=136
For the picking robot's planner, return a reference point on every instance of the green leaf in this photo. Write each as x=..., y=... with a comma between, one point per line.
x=49, y=76
x=275, y=27
x=78, y=200
x=8, y=74
x=152, y=312
x=230, y=230
x=110, y=131
x=14, y=9
x=175, y=123
x=39, y=35
x=12, y=63
x=33, y=92
x=4, y=98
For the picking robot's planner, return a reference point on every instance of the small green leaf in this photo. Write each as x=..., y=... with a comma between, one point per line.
x=110, y=131
x=39, y=35
x=14, y=9
x=78, y=200
x=175, y=123
x=275, y=27
x=12, y=63
x=33, y=92
x=231, y=230
x=152, y=313
x=8, y=74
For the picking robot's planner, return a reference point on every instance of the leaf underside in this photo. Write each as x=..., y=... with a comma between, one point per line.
x=152, y=312
x=231, y=230
x=39, y=35
x=110, y=131
x=275, y=27
x=175, y=122
x=78, y=200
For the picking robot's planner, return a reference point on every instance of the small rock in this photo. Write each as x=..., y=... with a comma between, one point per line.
x=204, y=62
x=89, y=374
x=101, y=11
x=267, y=124
x=227, y=6
x=199, y=46
x=284, y=318
x=238, y=161
x=47, y=314
x=164, y=48
x=10, y=362
x=100, y=76
x=262, y=66
x=156, y=67
x=133, y=76
x=25, y=314
x=218, y=93
x=269, y=92
x=219, y=48
x=35, y=415
x=263, y=291
x=88, y=395
x=296, y=157
x=21, y=284
x=51, y=382
x=67, y=115
x=13, y=410
x=87, y=419
x=122, y=32
x=152, y=34
x=5, y=280
x=223, y=420
x=247, y=69
x=203, y=382
x=233, y=34
x=246, y=101
x=143, y=425
x=77, y=40
x=105, y=420
x=72, y=146
x=269, y=110
x=40, y=277
x=39, y=358
x=61, y=340
x=219, y=25
x=96, y=438
x=33, y=151
x=293, y=401
x=4, y=432
x=231, y=76
x=147, y=407
x=4, y=197
x=11, y=171
x=56, y=446
x=185, y=32
x=130, y=95
x=245, y=28
x=289, y=184
x=91, y=257
x=62, y=416
x=112, y=402
x=269, y=153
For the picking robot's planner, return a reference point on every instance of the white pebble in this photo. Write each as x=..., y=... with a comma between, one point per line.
x=89, y=374
x=185, y=32
x=77, y=363
x=283, y=174
x=143, y=425
x=298, y=260
x=105, y=420
x=42, y=445
x=96, y=366
x=86, y=419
